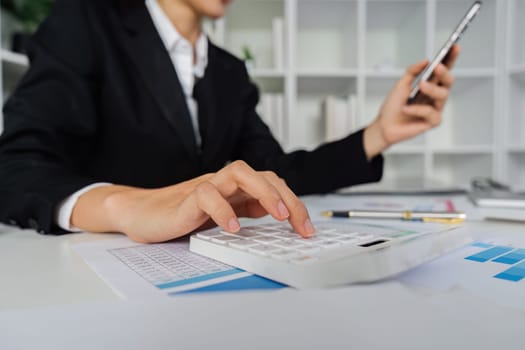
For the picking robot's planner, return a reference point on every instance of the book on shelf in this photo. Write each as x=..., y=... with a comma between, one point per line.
x=340, y=116
x=278, y=42
x=271, y=109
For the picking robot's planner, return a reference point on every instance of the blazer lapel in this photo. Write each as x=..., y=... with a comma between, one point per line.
x=145, y=47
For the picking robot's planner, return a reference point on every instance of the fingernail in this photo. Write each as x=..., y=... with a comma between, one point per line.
x=233, y=225
x=283, y=211
x=309, y=228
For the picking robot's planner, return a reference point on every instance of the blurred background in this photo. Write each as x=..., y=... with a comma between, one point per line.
x=324, y=67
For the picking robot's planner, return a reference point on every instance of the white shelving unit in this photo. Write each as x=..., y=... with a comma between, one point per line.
x=514, y=130
x=395, y=35
x=326, y=35
x=361, y=47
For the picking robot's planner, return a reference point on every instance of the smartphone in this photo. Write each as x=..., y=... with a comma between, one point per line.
x=417, y=96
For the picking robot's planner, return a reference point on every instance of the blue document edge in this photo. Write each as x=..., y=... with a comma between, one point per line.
x=246, y=283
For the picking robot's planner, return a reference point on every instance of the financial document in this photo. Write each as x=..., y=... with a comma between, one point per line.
x=138, y=270
x=135, y=270
x=491, y=269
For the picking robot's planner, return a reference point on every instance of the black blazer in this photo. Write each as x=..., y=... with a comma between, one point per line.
x=102, y=102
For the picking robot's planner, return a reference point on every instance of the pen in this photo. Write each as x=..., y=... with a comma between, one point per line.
x=425, y=216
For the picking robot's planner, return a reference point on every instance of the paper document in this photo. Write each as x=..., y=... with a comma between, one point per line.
x=138, y=270
x=491, y=269
x=317, y=204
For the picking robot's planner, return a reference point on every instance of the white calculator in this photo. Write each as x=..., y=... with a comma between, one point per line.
x=340, y=253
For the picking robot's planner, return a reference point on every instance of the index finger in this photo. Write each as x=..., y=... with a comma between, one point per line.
x=412, y=72
x=449, y=61
x=240, y=176
x=416, y=68
x=299, y=218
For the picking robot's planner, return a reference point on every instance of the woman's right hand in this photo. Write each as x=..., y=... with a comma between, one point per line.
x=156, y=215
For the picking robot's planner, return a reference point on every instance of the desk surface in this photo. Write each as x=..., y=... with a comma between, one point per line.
x=39, y=271
x=43, y=272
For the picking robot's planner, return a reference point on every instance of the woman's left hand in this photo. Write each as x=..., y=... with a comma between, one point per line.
x=398, y=121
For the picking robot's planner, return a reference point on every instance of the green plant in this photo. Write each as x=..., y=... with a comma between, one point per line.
x=28, y=12
x=247, y=54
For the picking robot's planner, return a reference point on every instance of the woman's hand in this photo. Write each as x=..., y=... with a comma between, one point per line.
x=162, y=214
x=398, y=121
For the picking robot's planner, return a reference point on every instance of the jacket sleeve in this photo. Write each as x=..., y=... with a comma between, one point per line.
x=327, y=168
x=50, y=122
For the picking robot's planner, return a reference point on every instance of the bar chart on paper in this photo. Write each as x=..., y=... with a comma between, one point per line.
x=512, y=260
x=490, y=269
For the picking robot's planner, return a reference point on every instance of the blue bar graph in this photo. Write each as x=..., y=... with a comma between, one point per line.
x=201, y=278
x=515, y=273
x=489, y=254
x=502, y=255
x=512, y=258
x=243, y=283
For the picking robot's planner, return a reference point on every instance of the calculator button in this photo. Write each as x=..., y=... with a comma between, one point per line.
x=208, y=234
x=364, y=236
x=242, y=244
x=327, y=235
x=255, y=227
x=287, y=235
x=263, y=249
x=305, y=259
x=348, y=240
x=266, y=239
x=309, y=249
x=284, y=254
x=245, y=234
x=325, y=229
x=329, y=244
x=289, y=244
x=310, y=241
x=269, y=232
x=348, y=233
x=223, y=239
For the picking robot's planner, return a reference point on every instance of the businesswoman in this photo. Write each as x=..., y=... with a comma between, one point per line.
x=129, y=120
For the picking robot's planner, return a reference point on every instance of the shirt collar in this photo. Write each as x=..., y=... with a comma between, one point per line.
x=173, y=40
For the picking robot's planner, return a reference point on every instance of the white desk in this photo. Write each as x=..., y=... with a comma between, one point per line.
x=49, y=297
x=39, y=271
